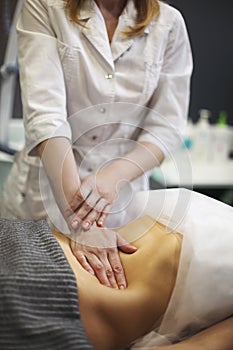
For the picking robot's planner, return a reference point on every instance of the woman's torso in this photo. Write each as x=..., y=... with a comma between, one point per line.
x=114, y=318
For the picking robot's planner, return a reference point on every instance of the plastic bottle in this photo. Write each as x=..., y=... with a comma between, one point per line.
x=221, y=144
x=188, y=139
x=202, y=138
x=222, y=120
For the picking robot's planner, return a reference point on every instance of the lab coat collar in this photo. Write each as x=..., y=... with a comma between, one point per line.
x=126, y=20
x=90, y=9
x=91, y=15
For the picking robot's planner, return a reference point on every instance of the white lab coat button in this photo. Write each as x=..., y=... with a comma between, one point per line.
x=108, y=76
x=102, y=110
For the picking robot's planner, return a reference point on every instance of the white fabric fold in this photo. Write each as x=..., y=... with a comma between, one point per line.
x=203, y=293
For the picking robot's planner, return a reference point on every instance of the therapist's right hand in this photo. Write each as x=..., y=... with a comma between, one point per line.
x=97, y=250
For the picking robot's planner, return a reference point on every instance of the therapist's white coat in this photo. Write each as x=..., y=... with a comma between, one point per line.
x=65, y=69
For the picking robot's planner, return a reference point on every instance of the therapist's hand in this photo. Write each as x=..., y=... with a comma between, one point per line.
x=98, y=192
x=94, y=198
x=97, y=251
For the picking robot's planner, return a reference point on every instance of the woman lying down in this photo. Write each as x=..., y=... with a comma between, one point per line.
x=169, y=296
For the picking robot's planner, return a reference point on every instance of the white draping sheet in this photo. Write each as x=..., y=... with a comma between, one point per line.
x=203, y=293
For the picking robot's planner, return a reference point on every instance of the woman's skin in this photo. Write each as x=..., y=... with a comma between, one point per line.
x=217, y=337
x=111, y=10
x=113, y=318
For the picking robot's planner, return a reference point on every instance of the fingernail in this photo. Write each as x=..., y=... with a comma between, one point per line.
x=86, y=225
x=100, y=223
x=121, y=287
x=75, y=224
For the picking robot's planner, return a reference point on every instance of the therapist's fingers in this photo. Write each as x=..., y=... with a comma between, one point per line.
x=86, y=221
x=75, y=247
x=70, y=214
x=103, y=268
x=97, y=251
x=95, y=265
x=115, y=261
x=117, y=269
x=98, y=266
x=102, y=217
x=89, y=220
x=95, y=214
x=86, y=214
x=79, y=208
x=78, y=199
x=124, y=245
x=91, y=210
x=106, y=265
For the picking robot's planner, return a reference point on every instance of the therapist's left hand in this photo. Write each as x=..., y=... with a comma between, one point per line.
x=97, y=251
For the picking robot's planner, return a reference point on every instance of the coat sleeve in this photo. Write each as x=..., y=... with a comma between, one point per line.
x=41, y=76
x=168, y=107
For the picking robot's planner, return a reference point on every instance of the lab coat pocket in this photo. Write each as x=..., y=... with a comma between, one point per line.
x=69, y=57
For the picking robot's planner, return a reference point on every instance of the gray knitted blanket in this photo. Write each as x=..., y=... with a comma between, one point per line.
x=38, y=292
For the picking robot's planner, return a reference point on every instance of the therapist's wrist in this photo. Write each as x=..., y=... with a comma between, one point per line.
x=144, y=157
x=120, y=171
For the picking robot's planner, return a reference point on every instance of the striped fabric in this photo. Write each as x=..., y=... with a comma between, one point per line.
x=38, y=292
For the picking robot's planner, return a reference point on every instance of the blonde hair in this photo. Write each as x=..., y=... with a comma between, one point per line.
x=146, y=11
